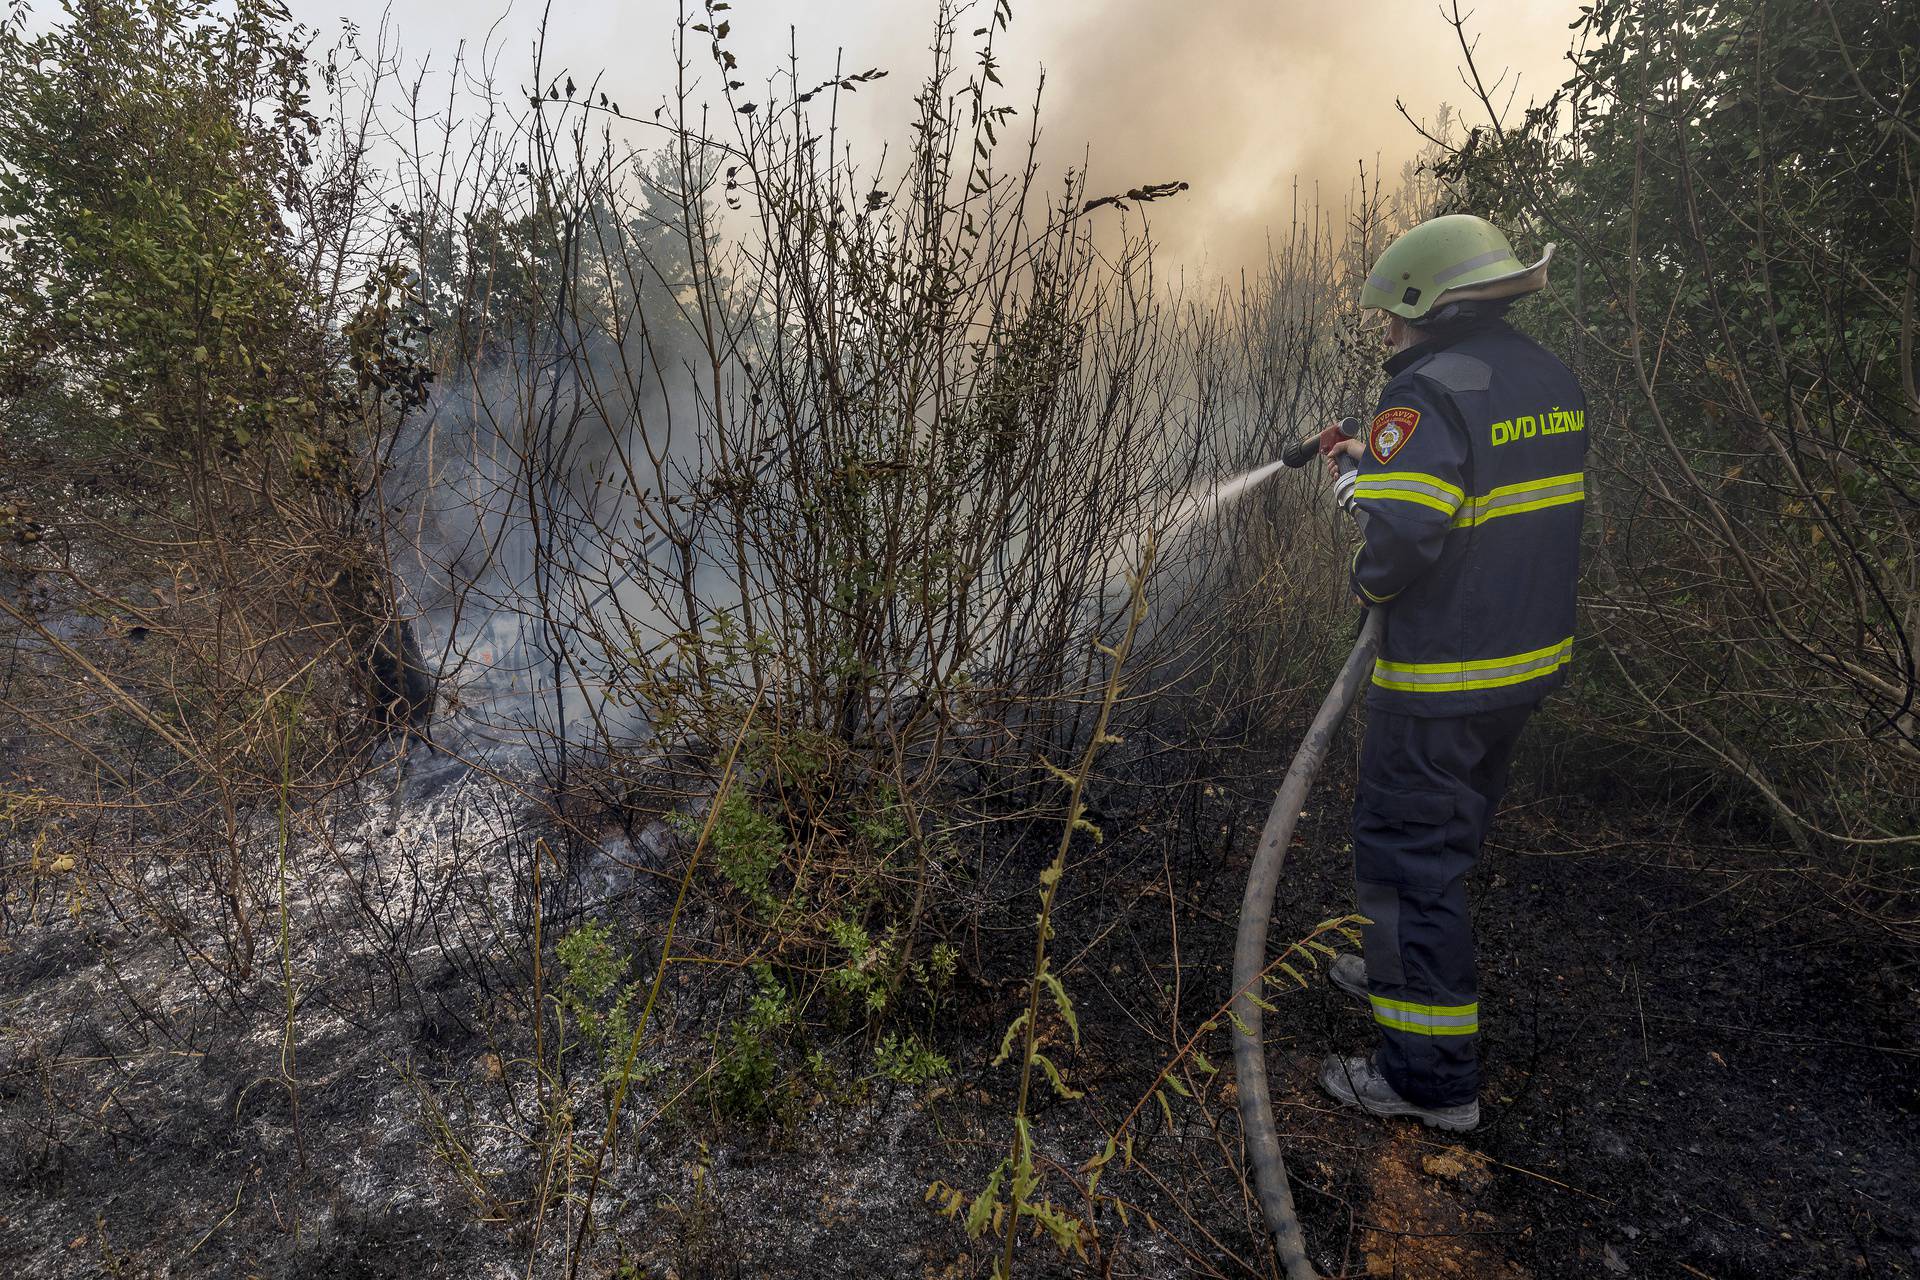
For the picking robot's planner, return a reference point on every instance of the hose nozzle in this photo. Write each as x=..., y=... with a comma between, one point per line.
x=1304, y=452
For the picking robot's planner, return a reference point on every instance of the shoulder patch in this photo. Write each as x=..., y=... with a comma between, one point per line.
x=1391, y=430
x=1456, y=371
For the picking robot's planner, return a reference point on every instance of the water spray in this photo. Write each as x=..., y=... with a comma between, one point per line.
x=1197, y=507
x=1200, y=504
x=1256, y=910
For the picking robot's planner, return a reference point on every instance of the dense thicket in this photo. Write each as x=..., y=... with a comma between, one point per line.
x=1736, y=191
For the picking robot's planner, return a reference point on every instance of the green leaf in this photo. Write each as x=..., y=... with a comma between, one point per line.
x=1024, y=1178
x=1062, y=1003
x=1006, y=1041
x=980, y=1216
x=1060, y=1086
x=1064, y=1230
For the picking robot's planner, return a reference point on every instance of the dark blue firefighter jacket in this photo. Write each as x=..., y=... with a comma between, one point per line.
x=1473, y=485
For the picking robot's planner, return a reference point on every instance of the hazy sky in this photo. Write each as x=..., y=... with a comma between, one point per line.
x=1238, y=97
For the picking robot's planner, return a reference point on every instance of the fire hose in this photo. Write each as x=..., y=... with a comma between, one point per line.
x=1256, y=913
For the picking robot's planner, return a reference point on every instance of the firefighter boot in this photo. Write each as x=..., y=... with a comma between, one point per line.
x=1348, y=973
x=1356, y=1082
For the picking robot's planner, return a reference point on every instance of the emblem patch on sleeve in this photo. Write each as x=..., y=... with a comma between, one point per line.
x=1391, y=430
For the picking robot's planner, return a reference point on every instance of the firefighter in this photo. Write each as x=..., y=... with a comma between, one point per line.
x=1471, y=479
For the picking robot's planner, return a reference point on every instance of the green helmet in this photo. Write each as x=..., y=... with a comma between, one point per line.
x=1455, y=258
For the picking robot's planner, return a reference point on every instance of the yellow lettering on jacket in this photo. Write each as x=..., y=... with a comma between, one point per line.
x=1547, y=422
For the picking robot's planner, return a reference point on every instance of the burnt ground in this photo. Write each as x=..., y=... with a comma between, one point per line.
x=1697, y=1062
x=1698, y=1065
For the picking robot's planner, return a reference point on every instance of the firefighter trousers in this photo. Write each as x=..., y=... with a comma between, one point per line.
x=1429, y=786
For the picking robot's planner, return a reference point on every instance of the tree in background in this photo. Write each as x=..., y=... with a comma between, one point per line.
x=195, y=356
x=151, y=291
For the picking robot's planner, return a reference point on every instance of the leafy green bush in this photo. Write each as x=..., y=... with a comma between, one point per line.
x=746, y=845
x=865, y=973
x=594, y=994
x=906, y=1060
x=746, y=1083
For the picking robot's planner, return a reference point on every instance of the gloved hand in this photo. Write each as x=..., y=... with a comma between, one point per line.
x=1336, y=452
x=1334, y=437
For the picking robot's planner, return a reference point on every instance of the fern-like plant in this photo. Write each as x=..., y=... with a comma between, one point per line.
x=1017, y=1172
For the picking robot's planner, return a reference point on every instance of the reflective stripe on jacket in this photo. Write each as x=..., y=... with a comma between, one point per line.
x=1473, y=484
